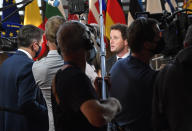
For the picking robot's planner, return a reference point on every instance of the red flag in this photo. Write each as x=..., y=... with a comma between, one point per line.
x=93, y=16
x=114, y=14
x=94, y=12
x=73, y=17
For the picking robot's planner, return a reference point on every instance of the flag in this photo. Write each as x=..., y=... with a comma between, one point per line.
x=94, y=11
x=73, y=17
x=154, y=6
x=134, y=6
x=170, y=5
x=32, y=14
x=51, y=11
x=11, y=25
x=130, y=19
x=187, y=4
x=114, y=14
x=33, y=10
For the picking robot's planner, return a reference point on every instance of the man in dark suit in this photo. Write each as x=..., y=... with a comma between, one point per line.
x=118, y=44
x=22, y=107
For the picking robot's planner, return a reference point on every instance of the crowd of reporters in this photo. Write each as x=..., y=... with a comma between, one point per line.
x=61, y=91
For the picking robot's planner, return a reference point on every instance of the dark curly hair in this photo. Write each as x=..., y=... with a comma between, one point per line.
x=140, y=31
x=122, y=28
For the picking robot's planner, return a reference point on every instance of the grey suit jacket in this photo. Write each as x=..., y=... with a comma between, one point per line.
x=44, y=71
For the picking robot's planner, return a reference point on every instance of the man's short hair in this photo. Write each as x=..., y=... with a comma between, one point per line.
x=122, y=28
x=188, y=36
x=52, y=26
x=73, y=36
x=140, y=31
x=27, y=34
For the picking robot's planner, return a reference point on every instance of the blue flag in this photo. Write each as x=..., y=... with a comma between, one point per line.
x=11, y=25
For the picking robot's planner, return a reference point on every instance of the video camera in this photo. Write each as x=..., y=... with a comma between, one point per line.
x=78, y=6
x=173, y=27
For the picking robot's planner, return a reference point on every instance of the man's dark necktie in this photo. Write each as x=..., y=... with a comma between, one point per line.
x=119, y=58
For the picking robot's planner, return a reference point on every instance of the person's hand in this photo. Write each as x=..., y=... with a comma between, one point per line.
x=98, y=84
x=113, y=105
x=116, y=102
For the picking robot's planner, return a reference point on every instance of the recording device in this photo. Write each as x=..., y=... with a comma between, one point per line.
x=78, y=6
x=142, y=14
x=54, y=3
x=173, y=29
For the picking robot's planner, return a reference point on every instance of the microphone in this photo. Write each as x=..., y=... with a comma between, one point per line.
x=54, y=3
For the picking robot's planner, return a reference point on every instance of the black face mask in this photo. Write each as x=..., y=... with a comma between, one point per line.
x=38, y=52
x=160, y=46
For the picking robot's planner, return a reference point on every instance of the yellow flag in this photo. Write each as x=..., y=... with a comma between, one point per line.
x=32, y=14
x=187, y=4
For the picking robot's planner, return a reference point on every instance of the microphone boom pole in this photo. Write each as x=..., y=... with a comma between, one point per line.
x=103, y=66
x=102, y=55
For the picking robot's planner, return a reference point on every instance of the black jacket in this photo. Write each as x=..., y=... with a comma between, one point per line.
x=172, y=103
x=110, y=62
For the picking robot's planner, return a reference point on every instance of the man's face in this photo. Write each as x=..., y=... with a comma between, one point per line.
x=117, y=44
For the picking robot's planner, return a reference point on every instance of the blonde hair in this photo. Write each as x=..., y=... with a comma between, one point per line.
x=52, y=26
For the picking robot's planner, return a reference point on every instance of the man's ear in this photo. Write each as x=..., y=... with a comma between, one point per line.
x=32, y=46
x=125, y=42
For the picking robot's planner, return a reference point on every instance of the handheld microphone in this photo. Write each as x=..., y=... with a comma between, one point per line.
x=54, y=3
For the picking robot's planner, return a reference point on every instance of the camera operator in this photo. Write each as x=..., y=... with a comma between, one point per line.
x=75, y=103
x=132, y=78
x=172, y=107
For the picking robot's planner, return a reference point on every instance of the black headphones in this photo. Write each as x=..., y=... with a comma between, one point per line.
x=86, y=36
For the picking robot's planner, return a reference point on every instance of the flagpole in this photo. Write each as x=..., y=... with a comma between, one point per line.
x=102, y=54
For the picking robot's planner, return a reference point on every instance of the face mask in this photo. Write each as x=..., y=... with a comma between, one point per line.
x=38, y=52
